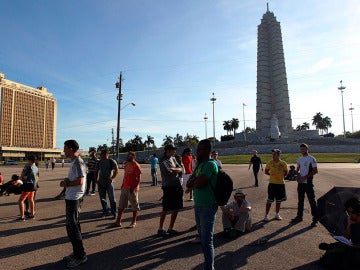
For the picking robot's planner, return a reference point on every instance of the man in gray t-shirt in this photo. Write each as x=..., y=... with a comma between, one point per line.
x=106, y=171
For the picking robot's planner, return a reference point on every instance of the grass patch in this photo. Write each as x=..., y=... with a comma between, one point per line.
x=291, y=158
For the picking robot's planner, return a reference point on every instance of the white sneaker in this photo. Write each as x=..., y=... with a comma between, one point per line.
x=267, y=218
x=278, y=217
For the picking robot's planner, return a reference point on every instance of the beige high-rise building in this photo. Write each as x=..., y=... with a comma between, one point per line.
x=27, y=121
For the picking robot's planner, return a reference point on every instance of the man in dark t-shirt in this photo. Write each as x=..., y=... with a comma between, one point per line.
x=256, y=163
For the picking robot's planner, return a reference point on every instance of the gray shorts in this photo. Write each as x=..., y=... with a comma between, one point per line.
x=126, y=196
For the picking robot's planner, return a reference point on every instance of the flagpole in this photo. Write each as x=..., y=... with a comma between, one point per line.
x=244, y=120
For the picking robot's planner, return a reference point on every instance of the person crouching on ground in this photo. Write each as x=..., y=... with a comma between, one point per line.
x=236, y=218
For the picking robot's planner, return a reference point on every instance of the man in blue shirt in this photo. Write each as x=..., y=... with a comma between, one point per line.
x=153, y=165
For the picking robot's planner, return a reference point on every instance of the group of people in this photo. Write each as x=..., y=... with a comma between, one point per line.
x=196, y=175
x=277, y=169
x=25, y=184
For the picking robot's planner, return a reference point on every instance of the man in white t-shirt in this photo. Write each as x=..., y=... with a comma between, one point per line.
x=306, y=168
x=75, y=187
x=214, y=156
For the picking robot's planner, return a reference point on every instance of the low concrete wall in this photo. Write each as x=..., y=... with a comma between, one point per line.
x=261, y=148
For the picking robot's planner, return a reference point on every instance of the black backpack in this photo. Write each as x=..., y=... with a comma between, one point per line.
x=223, y=189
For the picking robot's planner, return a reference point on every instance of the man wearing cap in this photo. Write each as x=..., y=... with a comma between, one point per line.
x=256, y=163
x=172, y=189
x=307, y=168
x=236, y=217
x=106, y=171
x=277, y=169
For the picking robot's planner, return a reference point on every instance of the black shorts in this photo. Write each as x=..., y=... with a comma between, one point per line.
x=172, y=198
x=276, y=192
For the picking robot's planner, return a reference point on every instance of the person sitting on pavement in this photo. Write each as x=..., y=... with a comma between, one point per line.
x=292, y=174
x=339, y=255
x=236, y=217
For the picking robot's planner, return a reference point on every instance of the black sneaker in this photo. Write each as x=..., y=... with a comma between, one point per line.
x=324, y=246
x=172, y=232
x=313, y=224
x=297, y=219
x=161, y=232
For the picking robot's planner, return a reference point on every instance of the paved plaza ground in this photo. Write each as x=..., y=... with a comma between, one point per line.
x=42, y=243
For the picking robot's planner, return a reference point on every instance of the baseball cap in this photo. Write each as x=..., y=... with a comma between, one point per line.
x=239, y=192
x=276, y=151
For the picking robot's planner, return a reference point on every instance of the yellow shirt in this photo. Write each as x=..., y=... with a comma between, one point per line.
x=277, y=171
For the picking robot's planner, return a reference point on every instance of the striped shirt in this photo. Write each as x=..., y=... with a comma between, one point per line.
x=91, y=164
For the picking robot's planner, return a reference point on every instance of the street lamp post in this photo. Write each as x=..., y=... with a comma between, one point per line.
x=119, y=98
x=341, y=88
x=205, y=119
x=352, y=120
x=244, y=120
x=213, y=99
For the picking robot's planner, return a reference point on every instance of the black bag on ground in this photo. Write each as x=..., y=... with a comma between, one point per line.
x=223, y=189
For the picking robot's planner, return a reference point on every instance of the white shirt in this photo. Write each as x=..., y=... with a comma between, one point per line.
x=77, y=169
x=304, y=162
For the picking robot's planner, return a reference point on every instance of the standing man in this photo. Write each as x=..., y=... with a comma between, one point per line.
x=53, y=162
x=130, y=189
x=106, y=171
x=277, y=169
x=75, y=187
x=172, y=189
x=256, y=163
x=307, y=168
x=153, y=166
x=214, y=156
x=187, y=160
x=204, y=200
x=91, y=175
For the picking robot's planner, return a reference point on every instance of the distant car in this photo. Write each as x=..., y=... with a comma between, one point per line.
x=10, y=162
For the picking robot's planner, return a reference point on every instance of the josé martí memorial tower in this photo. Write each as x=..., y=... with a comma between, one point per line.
x=273, y=115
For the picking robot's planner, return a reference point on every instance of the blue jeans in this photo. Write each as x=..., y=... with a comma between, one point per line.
x=154, y=177
x=73, y=227
x=108, y=188
x=205, y=221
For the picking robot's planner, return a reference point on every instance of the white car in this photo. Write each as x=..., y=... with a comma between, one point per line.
x=10, y=162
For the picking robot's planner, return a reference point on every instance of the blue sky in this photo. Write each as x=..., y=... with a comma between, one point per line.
x=173, y=55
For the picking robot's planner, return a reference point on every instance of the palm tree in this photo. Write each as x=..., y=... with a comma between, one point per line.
x=168, y=140
x=178, y=140
x=149, y=141
x=227, y=126
x=191, y=140
x=303, y=126
x=327, y=123
x=234, y=123
x=316, y=121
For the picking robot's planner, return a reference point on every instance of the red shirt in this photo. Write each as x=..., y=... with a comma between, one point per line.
x=132, y=172
x=187, y=162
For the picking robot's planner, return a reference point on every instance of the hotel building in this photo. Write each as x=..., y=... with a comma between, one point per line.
x=27, y=121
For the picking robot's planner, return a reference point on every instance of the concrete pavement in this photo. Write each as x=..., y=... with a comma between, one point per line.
x=41, y=243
